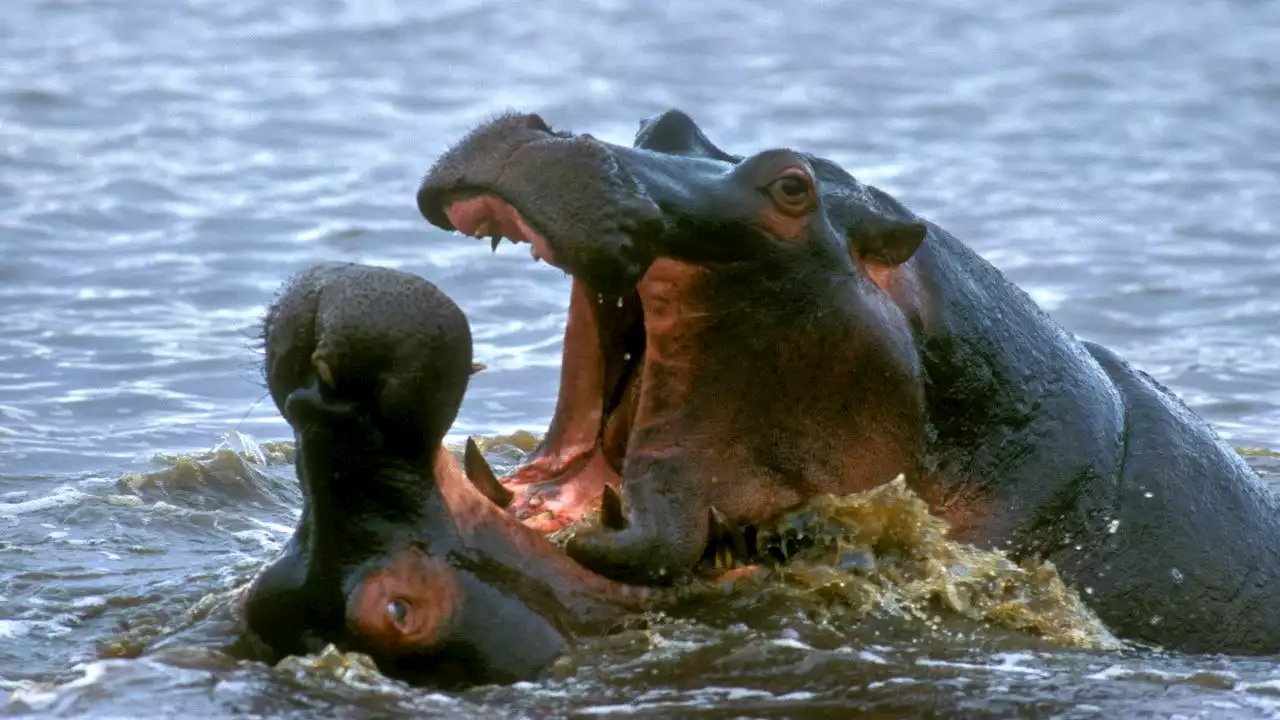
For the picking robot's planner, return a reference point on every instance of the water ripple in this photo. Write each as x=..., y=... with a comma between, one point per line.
x=164, y=165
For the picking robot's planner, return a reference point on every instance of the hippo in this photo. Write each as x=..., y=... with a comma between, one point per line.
x=400, y=553
x=745, y=332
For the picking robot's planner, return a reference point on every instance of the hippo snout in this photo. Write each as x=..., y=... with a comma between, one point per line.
x=575, y=199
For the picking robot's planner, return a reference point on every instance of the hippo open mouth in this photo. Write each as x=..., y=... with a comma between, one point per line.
x=583, y=207
x=604, y=347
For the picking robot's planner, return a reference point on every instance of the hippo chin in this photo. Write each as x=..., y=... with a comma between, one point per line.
x=746, y=332
x=397, y=554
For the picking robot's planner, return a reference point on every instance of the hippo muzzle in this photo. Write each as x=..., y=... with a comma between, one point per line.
x=596, y=210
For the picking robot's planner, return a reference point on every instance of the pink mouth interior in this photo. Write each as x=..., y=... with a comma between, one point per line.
x=473, y=213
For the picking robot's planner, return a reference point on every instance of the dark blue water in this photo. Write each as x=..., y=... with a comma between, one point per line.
x=165, y=164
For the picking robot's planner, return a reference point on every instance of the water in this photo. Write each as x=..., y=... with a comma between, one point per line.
x=165, y=164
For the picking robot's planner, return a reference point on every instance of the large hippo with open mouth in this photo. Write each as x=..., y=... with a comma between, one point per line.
x=746, y=332
x=398, y=553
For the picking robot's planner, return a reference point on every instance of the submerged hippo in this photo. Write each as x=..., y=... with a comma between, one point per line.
x=746, y=332
x=397, y=554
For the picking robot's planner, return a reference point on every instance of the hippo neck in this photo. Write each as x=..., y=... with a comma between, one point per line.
x=357, y=497
x=1001, y=377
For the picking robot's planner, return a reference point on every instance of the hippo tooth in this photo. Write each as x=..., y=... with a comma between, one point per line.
x=730, y=545
x=481, y=476
x=611, y=515
x=486, y=227
x=494, y=244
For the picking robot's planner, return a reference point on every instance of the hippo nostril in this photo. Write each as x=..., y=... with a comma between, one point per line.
x=398, y=611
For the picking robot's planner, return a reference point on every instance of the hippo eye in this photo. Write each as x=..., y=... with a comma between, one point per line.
x=398, y=611
x=793, y=191
x=793, y=187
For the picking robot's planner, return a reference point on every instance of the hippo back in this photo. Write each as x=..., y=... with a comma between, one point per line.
x=1053, y=447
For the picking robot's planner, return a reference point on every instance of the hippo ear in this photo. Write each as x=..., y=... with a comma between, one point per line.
x=675, y=133
x=886, y=240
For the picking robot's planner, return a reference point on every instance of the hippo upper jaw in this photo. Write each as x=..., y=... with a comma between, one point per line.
x=571, y=198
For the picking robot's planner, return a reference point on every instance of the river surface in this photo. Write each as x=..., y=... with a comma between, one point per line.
x=166, y=164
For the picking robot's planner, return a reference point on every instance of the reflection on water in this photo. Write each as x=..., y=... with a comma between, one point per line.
x=165, y=164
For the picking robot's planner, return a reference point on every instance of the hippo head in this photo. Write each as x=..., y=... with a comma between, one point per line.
x=735, y=338
x=396, y=554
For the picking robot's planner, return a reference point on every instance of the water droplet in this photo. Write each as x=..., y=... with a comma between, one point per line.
x=619, y=302
x=1177, y=576
x=1088, y=591
x=626, y=357
x=1148, y=494
x=1111, y=528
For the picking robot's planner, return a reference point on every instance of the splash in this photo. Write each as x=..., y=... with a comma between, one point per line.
x=233, y=469
x=882, y=551
x=352, y=669
x=877, y=553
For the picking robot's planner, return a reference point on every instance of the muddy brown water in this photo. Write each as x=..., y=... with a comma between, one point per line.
x=165, y=164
